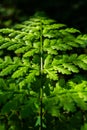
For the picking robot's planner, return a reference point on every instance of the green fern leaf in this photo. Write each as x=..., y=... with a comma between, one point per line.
x=47, y=61
x=5, y=45
x=67, y=103
x=83, y=37
x=6, y=30
x=54, y=26
x=72, y=44
x=51, y=74
x=7, y=60
x=80, y=102
x=29, y=37
x=71, y=67
x=46, y=43
x=79, y=41
x=50, y=33
x=51, y=51
x=61, y=69
x=14, y=46
x=2, y=84
x=22, y=49
x=72, y=30
x=1, y=60
x=83, y=57
x=22, y=84
x=81, y=64
x=20, y=35
x=20, y=72
x=47, y=21
x=31, y=76
x=37, y=45
x=1, y=39
x=8, y=70
x=72, y=57
x=30, y=53
x=13, y=34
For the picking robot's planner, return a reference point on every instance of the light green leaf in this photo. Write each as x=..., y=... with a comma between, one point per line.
x=51, y=74
x=20, y=72
x=30, y=53
x=61, y=69
x=72, y=30
x=71, y=67
x=38, y=121
x=14, y=46
x=5, y=45
x=81, y=64
x=47, y=61
x=22, y=49
x=8, y=70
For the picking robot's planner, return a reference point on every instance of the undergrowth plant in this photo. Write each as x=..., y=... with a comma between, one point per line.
x=43, y=76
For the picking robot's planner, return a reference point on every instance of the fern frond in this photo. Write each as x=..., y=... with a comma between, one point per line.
x=83, y=57
x=30, y=53
x=30, y=77
x=62, y=70
x=6, y=31
x=38, y=56
x=7, y=70
x=51, y=74
x=5, y=45
x=14, y=46
x=47, y=61
x=20, y=72
x=72, y=30
x=81, y=64
x=54, y=26
x=2, y=84
x=22, y=49
x=71, y=67
x=3, y=63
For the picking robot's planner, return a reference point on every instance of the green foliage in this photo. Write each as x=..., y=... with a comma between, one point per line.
x=43, y=69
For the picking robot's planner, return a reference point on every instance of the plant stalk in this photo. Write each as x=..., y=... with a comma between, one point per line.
x=41, y=73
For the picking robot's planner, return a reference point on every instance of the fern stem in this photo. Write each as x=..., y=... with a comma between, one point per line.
x=41, y=73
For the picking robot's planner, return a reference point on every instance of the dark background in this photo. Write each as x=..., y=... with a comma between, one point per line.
x=70, y=12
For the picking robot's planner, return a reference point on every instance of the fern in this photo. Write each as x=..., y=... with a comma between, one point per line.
x=40, y=58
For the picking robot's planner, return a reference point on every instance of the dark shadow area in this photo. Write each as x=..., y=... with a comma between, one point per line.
x=70, y=12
